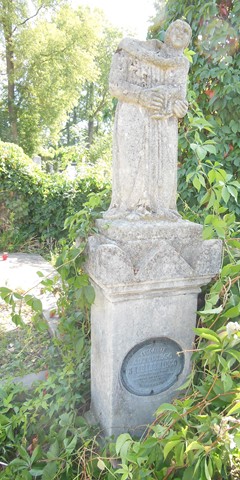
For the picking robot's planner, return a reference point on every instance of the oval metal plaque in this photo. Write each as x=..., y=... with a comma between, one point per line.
x=152, y=366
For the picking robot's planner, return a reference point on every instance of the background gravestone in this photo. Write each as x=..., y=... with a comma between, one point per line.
x=146, y=263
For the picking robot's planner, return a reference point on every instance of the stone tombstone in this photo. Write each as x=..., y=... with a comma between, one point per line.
x=38, y=160
x=146, y=263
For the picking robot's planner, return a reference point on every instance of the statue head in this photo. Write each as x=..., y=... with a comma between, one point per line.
x=178, y=35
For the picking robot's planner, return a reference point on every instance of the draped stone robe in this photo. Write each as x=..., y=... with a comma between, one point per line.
x=145, y=141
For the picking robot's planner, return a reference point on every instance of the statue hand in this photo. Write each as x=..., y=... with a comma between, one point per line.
x=152, y=98
x=180, y=108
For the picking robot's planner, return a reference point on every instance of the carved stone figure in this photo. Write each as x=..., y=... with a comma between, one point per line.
x=149, y=79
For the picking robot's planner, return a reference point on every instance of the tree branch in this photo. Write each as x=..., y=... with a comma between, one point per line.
x=101, y=104
x=27, y=19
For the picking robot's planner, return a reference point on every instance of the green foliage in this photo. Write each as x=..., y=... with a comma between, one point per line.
x=210, y=132
x=89, y=161
x=55, y=57
x=92, y=117
x=43, y=433
x=34, y=204
x=49, y=55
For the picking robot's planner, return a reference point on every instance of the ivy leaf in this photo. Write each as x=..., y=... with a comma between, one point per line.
x=24, y=454
x=189, y=54
x=179, y=454
x=19, y=463
x=212, y=199
x=201, y=152
x=89, y=294
x=17, y=319
x=211, y=149
x=79, y=346
x=232, y=312
x=40, y=274
x=166, y=407
x=188, y=473
x=124, y=437
x=208, y=232
x=196, y=183
x=227, y=382
x=81, y=281
x=208, y=334
x=211, y=311
x=211, y=176
x=49, y=471
x=4, y=291
x=234, y=243
x=36, y=472
x=234, y=409
x=66, y=420
x=101, y=465
x=194, y=446
x=35, y=453
x=234, y=126
x=170, y=445
x=234, y=354
x=208, y=469
x=70, y=445
x=205, y=198
x=124, y=450
x=201, y=180
x=17, y=296
x=225, y=194
x=53, y=451
x=233, y=191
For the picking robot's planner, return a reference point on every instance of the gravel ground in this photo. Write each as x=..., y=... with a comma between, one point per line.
x=6, y=323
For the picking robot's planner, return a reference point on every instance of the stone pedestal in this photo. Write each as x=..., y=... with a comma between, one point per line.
x=147, y=276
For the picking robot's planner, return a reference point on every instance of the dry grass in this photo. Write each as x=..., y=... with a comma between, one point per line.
x=24, y=349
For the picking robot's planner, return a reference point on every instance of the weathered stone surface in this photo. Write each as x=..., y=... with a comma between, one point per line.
x=117, y=327
x=152, y=252
x=146, y=288
x=146, y=263
x=149, y=79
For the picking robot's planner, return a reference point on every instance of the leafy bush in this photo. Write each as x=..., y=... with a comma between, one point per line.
x=33, y=204
x=210, y=132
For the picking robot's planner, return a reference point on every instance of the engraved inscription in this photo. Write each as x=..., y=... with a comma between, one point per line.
x=152, y=367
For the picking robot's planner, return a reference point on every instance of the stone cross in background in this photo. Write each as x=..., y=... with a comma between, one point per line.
x=146, y=263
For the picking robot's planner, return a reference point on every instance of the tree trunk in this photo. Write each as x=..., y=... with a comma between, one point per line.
x=90, y=131
x=10, y=82
x=90, y=96
x=68, y=132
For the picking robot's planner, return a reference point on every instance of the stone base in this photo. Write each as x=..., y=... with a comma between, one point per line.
x=116, y=329
x=147, y=276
